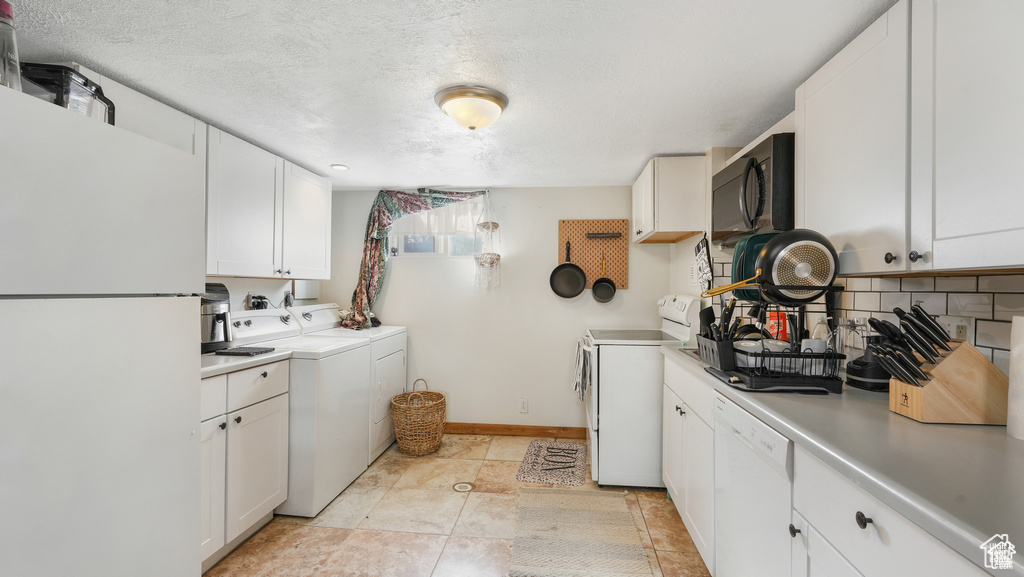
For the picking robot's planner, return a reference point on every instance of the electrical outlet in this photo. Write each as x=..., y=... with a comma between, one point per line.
x=524, y=407
x=958, y=327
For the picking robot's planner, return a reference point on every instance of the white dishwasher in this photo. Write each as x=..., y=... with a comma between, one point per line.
x=753, y=495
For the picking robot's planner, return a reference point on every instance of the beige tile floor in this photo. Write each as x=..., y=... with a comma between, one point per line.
x=401, y=518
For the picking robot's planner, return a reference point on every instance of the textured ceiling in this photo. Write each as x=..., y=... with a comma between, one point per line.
x=595, y=87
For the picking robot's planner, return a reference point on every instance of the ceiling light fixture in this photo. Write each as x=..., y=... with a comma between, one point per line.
x=472, y=107
x=339, y=167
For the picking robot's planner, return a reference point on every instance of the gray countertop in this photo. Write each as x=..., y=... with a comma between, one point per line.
x=213, y=364
x=961, y=483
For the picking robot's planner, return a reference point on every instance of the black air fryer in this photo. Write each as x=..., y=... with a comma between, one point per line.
x=865, y=372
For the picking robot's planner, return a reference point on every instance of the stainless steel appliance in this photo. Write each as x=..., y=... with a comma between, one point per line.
x=754, y=193
x=215, y=318
x=624, y=394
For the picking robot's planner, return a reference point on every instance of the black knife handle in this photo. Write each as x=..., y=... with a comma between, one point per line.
x=918, y=342
x=886, y=329
x=906, y=363
x=906, y=352
x=927, y=320
x=927, y=332
x=882, y=362
x=901, y=372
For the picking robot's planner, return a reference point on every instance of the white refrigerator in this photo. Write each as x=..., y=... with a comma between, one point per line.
x=101, y=244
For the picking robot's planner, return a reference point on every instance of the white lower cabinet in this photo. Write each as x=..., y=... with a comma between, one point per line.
x=213, y=444
x=244, y=452
x=257, y=463
x=875, y=539
x=688, y=457
x=673, y=428
x=699, y=482
x=813, y=556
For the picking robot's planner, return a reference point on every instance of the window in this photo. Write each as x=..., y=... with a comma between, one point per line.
x=449, y=231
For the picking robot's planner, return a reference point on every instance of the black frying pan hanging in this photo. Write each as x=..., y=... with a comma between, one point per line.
x=568, y=280
x=604, y=287
x=794, y=258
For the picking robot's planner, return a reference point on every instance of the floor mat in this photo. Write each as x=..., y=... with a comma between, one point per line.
x=555, y=463
x=576, y=533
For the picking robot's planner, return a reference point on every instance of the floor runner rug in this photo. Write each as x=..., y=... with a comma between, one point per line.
x=576, y=533
x=554, y=463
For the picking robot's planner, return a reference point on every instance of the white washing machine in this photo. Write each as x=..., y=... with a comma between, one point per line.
x=328, y=403
x=388, y=372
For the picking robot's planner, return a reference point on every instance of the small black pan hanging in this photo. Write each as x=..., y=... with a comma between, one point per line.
x=604, y=287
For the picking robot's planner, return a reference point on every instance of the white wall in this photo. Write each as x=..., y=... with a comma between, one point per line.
x=487, y=349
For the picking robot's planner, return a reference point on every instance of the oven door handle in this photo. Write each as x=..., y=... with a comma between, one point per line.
x=588, y=345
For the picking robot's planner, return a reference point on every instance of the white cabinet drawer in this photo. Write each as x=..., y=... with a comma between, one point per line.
x=888, y=545
x=213, y=397
x=253, y=385
x=692, y=388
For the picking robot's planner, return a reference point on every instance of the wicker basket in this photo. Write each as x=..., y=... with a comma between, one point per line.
x=419, y=419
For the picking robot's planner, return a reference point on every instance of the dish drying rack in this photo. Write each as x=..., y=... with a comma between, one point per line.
x=778, y=371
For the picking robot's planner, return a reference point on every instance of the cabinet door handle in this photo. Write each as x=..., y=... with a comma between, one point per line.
x=862, y=521
x=223, y=425
x=914, y=256
x=264, y=374
x=279, y=271
x=289, y=271
x=238, y=419
x=890, y=258
x=793, y=531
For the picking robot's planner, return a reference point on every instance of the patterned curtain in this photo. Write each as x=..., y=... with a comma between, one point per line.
x=389, y=207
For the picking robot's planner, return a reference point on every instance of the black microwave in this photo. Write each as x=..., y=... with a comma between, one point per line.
x=754, y=193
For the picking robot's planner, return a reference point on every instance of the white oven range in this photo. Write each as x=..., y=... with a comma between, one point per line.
x=623, y=400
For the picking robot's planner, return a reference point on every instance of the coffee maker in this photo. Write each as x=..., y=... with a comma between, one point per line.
x=216, y=318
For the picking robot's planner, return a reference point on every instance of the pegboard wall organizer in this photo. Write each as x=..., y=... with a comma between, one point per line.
x=608, y=238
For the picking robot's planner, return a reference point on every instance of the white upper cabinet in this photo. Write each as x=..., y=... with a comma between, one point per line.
x=851, y=148
x=668, y=199
x=145, y=116
x=86, y=208
x=966, y=119
x=266, y=217
x=306, y=235
x=908, y=141
x=243, y=203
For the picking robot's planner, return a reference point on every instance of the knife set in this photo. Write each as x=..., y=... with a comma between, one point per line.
x=936, y=379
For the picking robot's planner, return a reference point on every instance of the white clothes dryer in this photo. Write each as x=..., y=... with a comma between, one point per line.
x=388, y=371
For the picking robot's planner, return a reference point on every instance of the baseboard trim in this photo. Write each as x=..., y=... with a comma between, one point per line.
x=515, y=430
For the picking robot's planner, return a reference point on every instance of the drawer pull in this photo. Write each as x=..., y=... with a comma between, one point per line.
x=264, y=374
x=862, y=521
x=238, y=419
x=793, y=531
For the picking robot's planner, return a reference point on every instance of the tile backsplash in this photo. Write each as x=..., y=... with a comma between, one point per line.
x=984, y=305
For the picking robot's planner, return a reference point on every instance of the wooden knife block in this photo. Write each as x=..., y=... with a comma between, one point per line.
x=966, y=388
